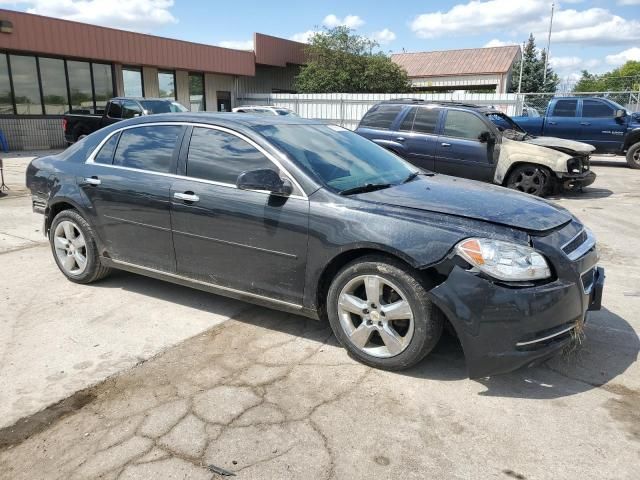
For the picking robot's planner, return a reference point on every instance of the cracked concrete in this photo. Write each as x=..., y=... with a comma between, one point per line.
x=270, y=395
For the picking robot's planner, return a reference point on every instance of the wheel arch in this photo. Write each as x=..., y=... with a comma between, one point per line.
x=57, y=206
x=521, y=163
x=633, y=137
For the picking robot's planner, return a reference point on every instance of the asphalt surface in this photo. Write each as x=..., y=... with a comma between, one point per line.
x=270, y=395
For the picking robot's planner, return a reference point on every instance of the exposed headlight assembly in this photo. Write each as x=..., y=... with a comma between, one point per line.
x=504, y=261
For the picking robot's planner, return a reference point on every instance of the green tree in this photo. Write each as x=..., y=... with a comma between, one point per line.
x=624, y=78
x=533, y=80
x=342, y=62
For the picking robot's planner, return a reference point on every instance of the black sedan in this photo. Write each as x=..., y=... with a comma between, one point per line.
x=314, y=219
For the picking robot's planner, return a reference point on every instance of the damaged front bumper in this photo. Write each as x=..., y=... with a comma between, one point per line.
x=502, y=328
x=572, y=181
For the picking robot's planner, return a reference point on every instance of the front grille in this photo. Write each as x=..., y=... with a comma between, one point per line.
x=575, y=242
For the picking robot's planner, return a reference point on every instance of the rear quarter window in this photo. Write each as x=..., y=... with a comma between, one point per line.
x=381, y=116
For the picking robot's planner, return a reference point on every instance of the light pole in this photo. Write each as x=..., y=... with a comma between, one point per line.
x=546, y=57
x=521, y=65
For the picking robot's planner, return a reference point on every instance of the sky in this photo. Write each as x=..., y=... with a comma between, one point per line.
x=596, y=35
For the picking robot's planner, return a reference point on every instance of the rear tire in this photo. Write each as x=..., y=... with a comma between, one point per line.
x=633, y=156
x=74, y=248
x=380, y=312
x=531, y=179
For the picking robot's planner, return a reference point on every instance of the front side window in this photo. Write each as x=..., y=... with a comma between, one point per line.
x=381, y=116
x=461, y=124
x=221, y=157
x=6, y=101
x=426, y=120
x=166, y=85
x=54, y=86
x=25, y=85
x=80, y=87
x=132, y=82
x=565, y=108
x=105, y=155
x=115, y=109
x=596, y=109
x=148, y=148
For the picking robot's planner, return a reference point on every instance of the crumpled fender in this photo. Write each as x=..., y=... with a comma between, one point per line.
x=513, y=152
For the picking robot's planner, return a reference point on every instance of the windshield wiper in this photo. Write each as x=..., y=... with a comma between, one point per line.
x=367, y=187
x=411, y=176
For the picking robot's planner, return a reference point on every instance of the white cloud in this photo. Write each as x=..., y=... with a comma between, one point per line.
x=564, y=62
x=351, y=21
x=303, y=37
x=383, y=36
x=624, y=56
x=595, y=26
x=237, y=44
x=497, y=43
x=138, y=15
x=628, y=2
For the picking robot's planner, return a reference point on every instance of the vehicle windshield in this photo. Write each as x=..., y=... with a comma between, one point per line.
x=162, y=106
x=337, y=157
x=504, y=122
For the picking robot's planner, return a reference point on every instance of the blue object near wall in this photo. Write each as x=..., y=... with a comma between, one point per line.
x=4, y=145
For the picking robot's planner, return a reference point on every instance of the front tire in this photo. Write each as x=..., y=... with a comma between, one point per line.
x=531, y=179
x=633, y=156
x=380, y=312
x=74, y=248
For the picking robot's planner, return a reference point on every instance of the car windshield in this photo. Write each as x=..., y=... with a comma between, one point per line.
x=504, y=122
x=162, y=106
x=337, y=157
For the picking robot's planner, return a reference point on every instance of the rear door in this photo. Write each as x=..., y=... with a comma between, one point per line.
x=244, y=240
x=459, y=151
x=418, y=133
x=562, y=121
x=600, y=127
x=128, y=183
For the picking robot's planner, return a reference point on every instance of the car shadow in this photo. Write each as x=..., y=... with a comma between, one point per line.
x=610, y=345
x=586, y=193
x=616, y=162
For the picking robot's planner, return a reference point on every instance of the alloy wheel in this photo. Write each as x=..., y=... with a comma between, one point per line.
x=71, y=248
x=530, y=181
x=375, y=316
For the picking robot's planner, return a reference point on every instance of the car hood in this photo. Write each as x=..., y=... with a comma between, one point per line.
x=570, y=147
x=471, y=199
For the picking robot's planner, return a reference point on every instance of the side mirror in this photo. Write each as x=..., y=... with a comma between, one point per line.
x=486, y=137
x=265, y=179
x=620, y=113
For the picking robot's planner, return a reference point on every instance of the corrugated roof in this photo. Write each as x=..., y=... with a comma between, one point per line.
x=472, y=61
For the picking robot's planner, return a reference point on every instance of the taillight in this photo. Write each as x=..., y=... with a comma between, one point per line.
x=64, y=124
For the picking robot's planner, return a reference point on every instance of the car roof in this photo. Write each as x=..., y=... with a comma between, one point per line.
x=440, y=103
x=224, y=119
x=138, y=99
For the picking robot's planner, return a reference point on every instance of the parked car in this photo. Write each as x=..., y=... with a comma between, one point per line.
x=77, y=125
x=462, y=140
x=314, y=219
x=265, y=110
x=600, y=122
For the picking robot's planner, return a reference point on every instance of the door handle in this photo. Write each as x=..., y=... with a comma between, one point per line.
x=93, y=181
x=186, y=196
x=400, y=139
x=553, y=123
x=585, y=123
x=444, y=144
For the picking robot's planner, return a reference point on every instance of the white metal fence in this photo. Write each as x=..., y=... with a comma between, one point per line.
x=346, y=109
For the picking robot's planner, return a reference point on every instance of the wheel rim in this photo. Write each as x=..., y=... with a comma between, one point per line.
x=376, y=316
x=636, y=156
x=70, y=247
x=529, y=181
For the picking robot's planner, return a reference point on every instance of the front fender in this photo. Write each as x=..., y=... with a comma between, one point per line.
x=513, y=153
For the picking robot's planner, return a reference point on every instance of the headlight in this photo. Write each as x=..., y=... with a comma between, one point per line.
x=504, y=260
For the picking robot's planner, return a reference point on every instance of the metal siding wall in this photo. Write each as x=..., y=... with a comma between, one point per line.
x=150, y=80
x=33, y=133
x=214, y=83
x=182, y=87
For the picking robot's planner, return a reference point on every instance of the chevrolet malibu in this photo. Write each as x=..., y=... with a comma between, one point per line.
x=314, y=219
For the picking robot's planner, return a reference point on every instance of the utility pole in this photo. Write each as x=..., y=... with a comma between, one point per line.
x=521, y=65
x=546, y=57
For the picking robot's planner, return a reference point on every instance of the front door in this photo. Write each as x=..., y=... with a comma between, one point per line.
x=130, y=195
x=600, y=127
x=459, y=151
x=246, y=240
x=561, y=120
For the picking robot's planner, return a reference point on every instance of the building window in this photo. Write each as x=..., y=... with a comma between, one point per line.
x=26, y=89
x=196, y=92
x=132, y=82
x=102, y=85
x=167, y=85
x=54, y=86
x=6, y=101
x=80, y=87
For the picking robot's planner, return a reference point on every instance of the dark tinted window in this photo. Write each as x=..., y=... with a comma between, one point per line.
x=105, y=155
x=381, y=116
x=596, y=109
x=6, y=101
x=565, y=108
x=115, y=110
x=463, y=125
x=147, y=148
x=102, y=85
x=25, y=85
x=426, y=120
x=80, y=87
x=221, y=157
x=130, y=109
x=54, y=86
x=407, y=121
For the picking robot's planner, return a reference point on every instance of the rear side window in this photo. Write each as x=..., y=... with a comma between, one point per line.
x=407, y=121
x=115, y=110
x=565, y=108
x=381, y=116
x=596, y=109
x=130, y=109
x=221, y=157
x=105, y=155
x=148, y=148
x=461, y=124
x=426, y=120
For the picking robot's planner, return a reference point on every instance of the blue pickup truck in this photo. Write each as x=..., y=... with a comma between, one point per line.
x=600, y=122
